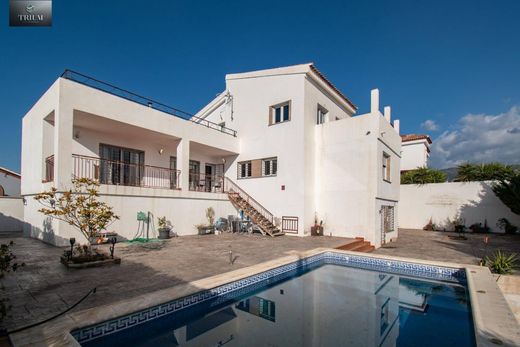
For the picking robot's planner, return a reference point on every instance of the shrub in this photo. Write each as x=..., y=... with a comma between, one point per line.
x=7, y=258
x=423, y=175
x=505, y=225
x=79, y=207
x=501, y=263
x=508, y=191
x=210, y=215
x=468, y=172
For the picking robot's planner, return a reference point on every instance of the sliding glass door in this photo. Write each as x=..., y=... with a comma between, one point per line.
x=121, y=166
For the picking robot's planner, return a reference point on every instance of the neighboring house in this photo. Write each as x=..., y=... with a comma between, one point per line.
x=284, y=141
x=415, y=151
x=9, y=182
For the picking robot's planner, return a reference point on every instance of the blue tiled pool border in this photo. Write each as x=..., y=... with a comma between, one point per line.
x=233, y=289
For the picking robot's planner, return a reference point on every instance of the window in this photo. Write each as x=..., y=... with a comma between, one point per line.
x=244, y=169
x=123, y=166
x=194, y=174
x=388, y=218
x=280, y=113
x=269, y=167
x=321, y=115
x=173, y=173
x=386, y=167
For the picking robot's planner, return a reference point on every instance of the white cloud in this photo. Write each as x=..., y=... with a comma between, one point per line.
x=430, y=125
x=479, y=138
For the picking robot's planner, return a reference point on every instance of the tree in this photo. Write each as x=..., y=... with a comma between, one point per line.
x=508, y=191
x=78, y=207
x=483, y=172
x=423, y=175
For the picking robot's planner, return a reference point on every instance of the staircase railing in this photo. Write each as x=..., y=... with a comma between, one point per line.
x=232, y=187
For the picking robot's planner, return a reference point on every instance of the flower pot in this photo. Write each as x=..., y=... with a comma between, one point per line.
x=317, y=230
x=164, y=233
x=204, y=230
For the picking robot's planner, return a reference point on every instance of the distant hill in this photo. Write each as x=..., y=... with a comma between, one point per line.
x=451, y=173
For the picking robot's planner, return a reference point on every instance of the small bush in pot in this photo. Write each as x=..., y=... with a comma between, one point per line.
x=164, y=228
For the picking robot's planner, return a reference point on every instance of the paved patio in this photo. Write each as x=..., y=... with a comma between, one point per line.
x=439, y=246
x=44, y=287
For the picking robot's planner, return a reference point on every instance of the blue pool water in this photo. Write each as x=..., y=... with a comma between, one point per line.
x=317, y=305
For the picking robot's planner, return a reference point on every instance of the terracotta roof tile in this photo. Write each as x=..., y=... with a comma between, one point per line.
x=415, y=137
x=320, y=75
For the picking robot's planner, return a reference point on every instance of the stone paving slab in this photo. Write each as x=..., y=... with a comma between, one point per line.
x=45, y=287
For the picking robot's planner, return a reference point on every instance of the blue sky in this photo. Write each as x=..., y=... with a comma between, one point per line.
x=455, y=63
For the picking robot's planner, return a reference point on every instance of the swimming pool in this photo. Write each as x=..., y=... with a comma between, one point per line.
x=325, y=300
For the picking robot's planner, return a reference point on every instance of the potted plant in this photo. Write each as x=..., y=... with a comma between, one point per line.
x=164, y=228
x=317, y=229
x=208, y=228
x=459, y=227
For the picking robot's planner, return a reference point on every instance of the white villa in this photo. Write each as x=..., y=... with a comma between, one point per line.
x=415, y=151
x=283, y=144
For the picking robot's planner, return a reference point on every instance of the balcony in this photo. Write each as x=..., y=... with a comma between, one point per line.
x=133, y=97
x=206, y=183
x=113, y=172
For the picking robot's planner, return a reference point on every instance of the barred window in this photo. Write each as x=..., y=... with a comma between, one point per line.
x=244, y=169
x=269, y=167
x=388, y=218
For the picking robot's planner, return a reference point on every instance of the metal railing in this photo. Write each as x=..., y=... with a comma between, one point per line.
x=49, y=169
x=115, y=172
x=290, y=224
x=232, y=187
x=206, y=183
x=125, y=94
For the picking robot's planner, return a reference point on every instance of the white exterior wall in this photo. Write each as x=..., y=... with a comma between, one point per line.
x=10, y=184
x=252, y=98
x=11, y=213
x=52, y=124
x=475, y=202
x=349, y=166
x=414, y=155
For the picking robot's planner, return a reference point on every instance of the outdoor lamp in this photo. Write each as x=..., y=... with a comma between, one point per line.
x=72, y=241
x=113, y=241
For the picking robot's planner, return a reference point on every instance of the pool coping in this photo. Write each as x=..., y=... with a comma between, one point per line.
x=492, y=317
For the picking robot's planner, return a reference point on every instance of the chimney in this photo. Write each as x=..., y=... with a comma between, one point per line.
x=374, y=101
x=388, y=113
x=396, y=126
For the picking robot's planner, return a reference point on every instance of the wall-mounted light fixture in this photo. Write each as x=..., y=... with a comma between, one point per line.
x=161, y=151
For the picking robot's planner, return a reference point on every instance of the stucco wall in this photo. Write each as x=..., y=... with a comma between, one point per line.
x=475, y=202
x=183, y=213
x=11, y=213
x=10, y=184
x=414, y=155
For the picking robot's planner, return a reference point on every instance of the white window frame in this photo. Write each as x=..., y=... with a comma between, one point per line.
x=248, y=171
x=321, y=115
x=386, y=167
x=271, y=164
x=272, y=112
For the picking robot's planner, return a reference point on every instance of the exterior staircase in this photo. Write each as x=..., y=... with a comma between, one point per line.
x=359, y=245
x=252, y=209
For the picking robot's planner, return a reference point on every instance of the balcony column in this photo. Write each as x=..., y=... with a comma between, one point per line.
x=183, y=163
x=63, y=128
